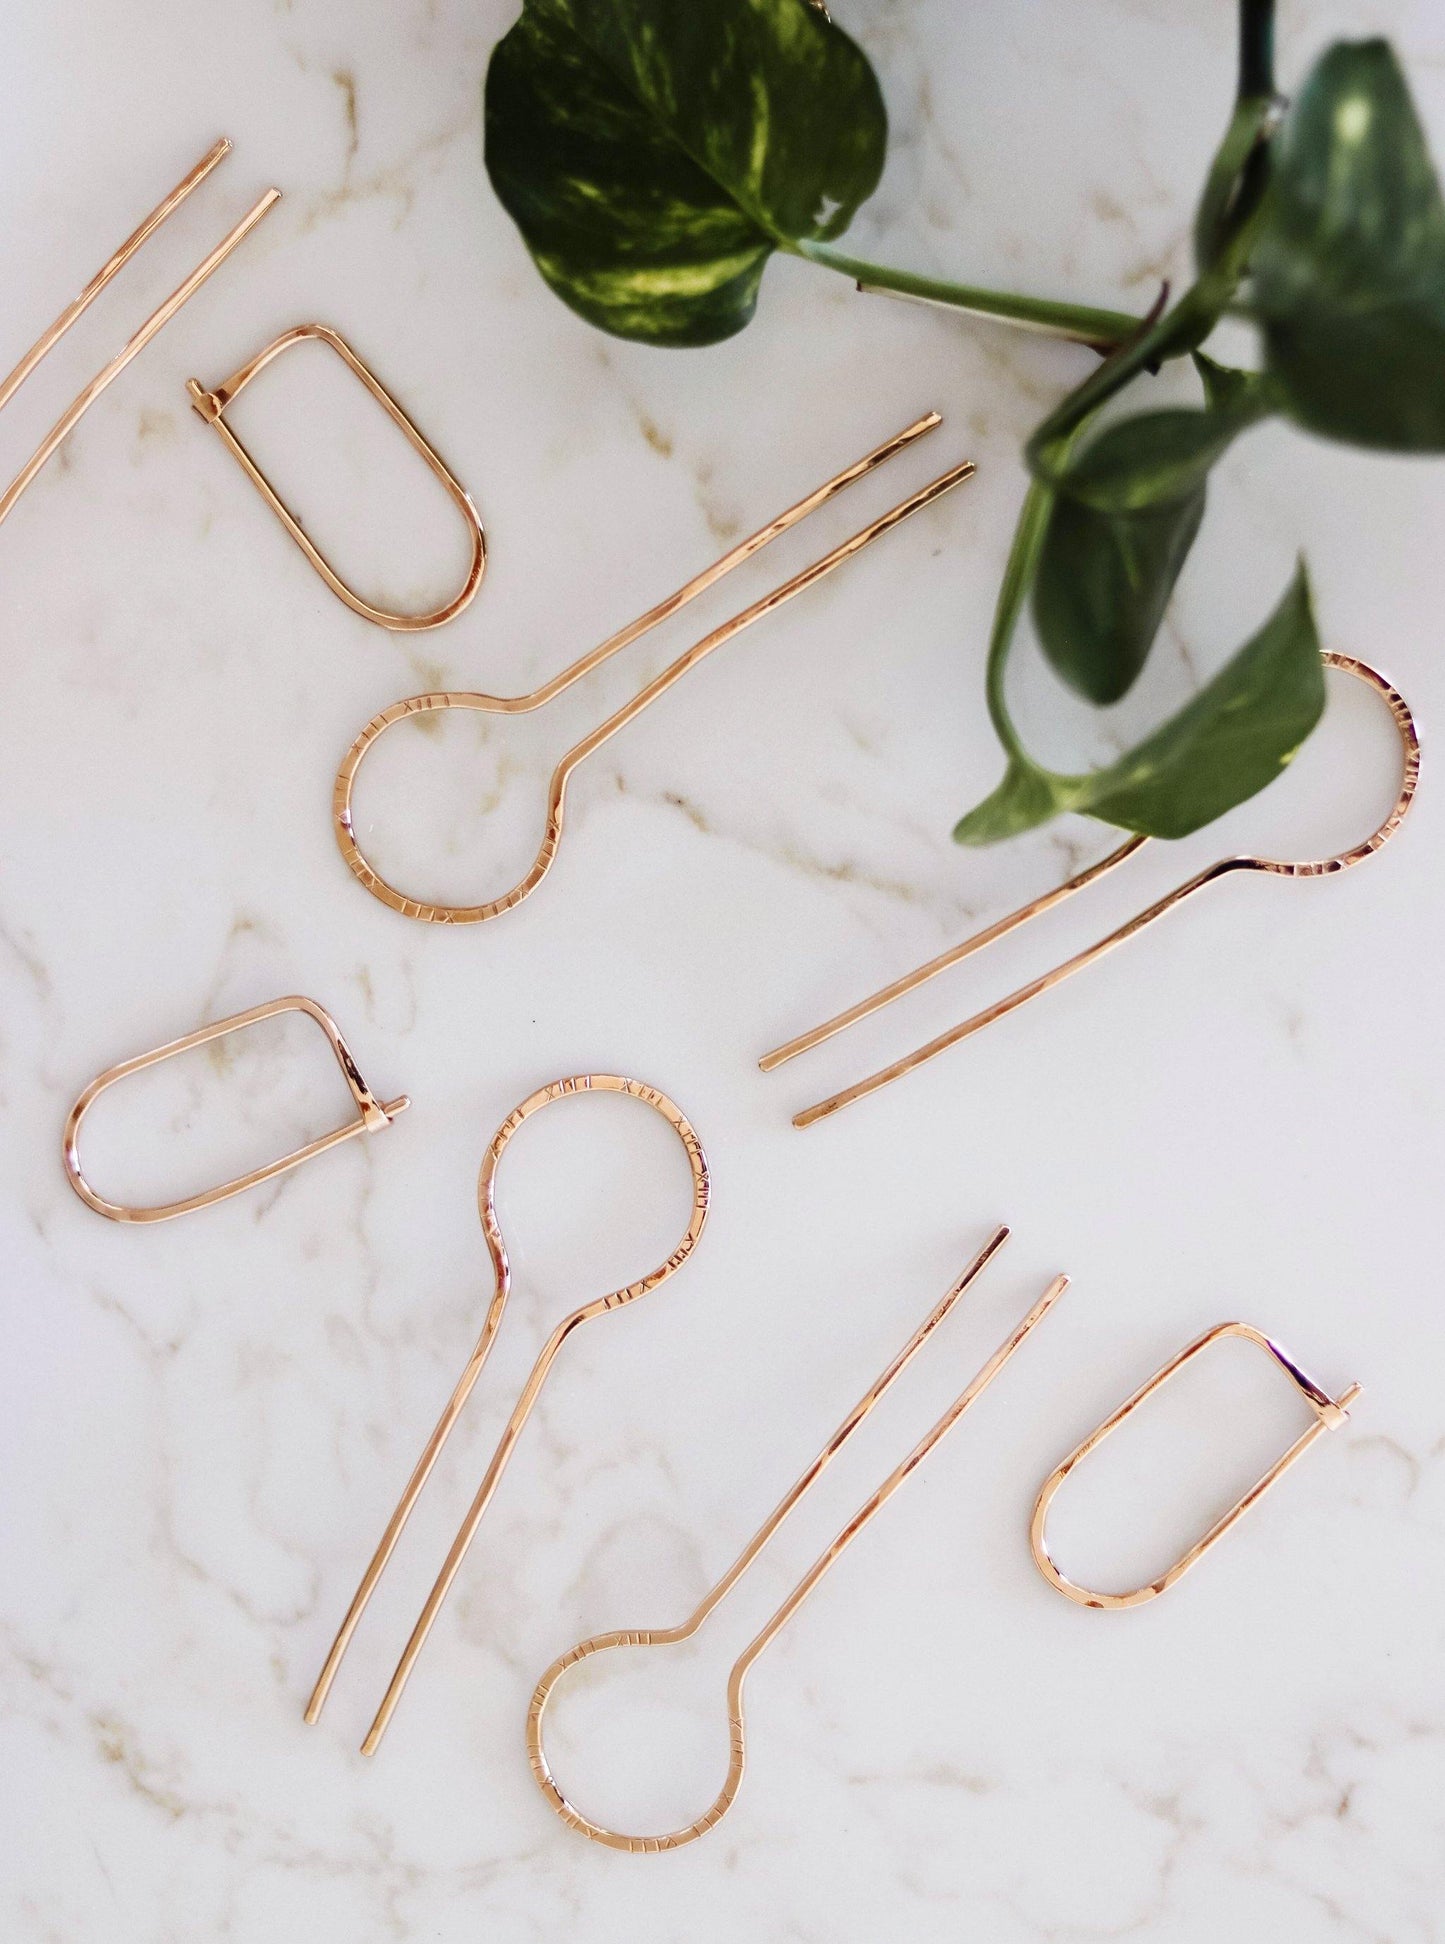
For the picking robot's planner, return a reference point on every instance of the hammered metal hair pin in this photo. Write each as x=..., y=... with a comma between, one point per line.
x=416, y=705
x=211, y=405
x=1324, y=867
x=668, y=1636
x=156, y=322
x=372, y=1114
x=1330, y=1414
x=502, y=1281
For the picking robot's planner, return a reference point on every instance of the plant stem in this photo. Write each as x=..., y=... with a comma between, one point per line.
x=1100, y=329
x=1168, y=336
x=1018, y=577
x=1256, y=48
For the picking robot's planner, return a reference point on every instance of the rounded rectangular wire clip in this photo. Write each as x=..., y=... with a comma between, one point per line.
x=1329, y=1412
x=372, y=1114
x=211, y=406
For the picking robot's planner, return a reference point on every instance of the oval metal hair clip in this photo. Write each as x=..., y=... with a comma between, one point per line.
x=1330, y=1414
x=1223, y=867
x=669, y=1636
x=211, y=405
x=372, y=1114
x=501, y=1287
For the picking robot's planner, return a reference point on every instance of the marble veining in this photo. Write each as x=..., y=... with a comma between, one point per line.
x=205, y=1424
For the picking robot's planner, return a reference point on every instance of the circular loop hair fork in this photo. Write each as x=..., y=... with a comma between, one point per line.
x=1223, y=867
x=670, y=1636
x=342, y=814
x=502, y=1283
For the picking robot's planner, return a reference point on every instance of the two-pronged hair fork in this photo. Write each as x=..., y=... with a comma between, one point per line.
x=581, y=1084
x=342, y=812
x=669, y=1636
x=1323, y=867
x=137, y=343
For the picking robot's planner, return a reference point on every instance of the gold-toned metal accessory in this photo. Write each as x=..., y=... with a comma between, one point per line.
x=372, y=1114
x=1323, y=867
x=1330, y=1414
x=157, y=321
x=668, y=1636
x=450, y=914
x=501, y=1285
x=211, y=405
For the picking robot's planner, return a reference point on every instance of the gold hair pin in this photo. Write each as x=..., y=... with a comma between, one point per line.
x=668, y=1636
x=1330, y=1414
x=454, y=914
x=502, y=1282
x=372, y=1114
x=1324, y=867
x=211, y=405
x=157, y=321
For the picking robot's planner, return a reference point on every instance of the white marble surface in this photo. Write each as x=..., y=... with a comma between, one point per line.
x=206, y=1423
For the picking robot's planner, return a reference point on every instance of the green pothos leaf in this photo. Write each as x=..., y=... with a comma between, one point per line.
x=1349, y=265
x=654, y=153
x=1125, y=514
x=1103, y=586
x=1221, y=748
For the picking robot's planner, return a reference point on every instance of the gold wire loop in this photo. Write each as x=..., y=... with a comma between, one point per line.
x=432, y=912
x=211, y=405
x=501, y=1287
x=670, y=1636
x=1321, y=867
x=156, y=322
x=372, y=1114
x=1330, y=1413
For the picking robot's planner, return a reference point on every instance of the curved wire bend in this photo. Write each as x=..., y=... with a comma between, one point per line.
x=211, y=406
x=501, y=1288
x=372, y=1114
x=431, y=912
x=1323, y=867
x=1330, y=1414
x=668, y=1636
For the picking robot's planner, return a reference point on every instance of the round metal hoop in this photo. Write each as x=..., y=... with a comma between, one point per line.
x=1409, y=781
x=583, y=1083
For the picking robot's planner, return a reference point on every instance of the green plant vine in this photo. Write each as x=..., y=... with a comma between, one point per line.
x=656, y=153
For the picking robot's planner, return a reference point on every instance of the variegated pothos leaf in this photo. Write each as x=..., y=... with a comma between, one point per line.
x=654, y=153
